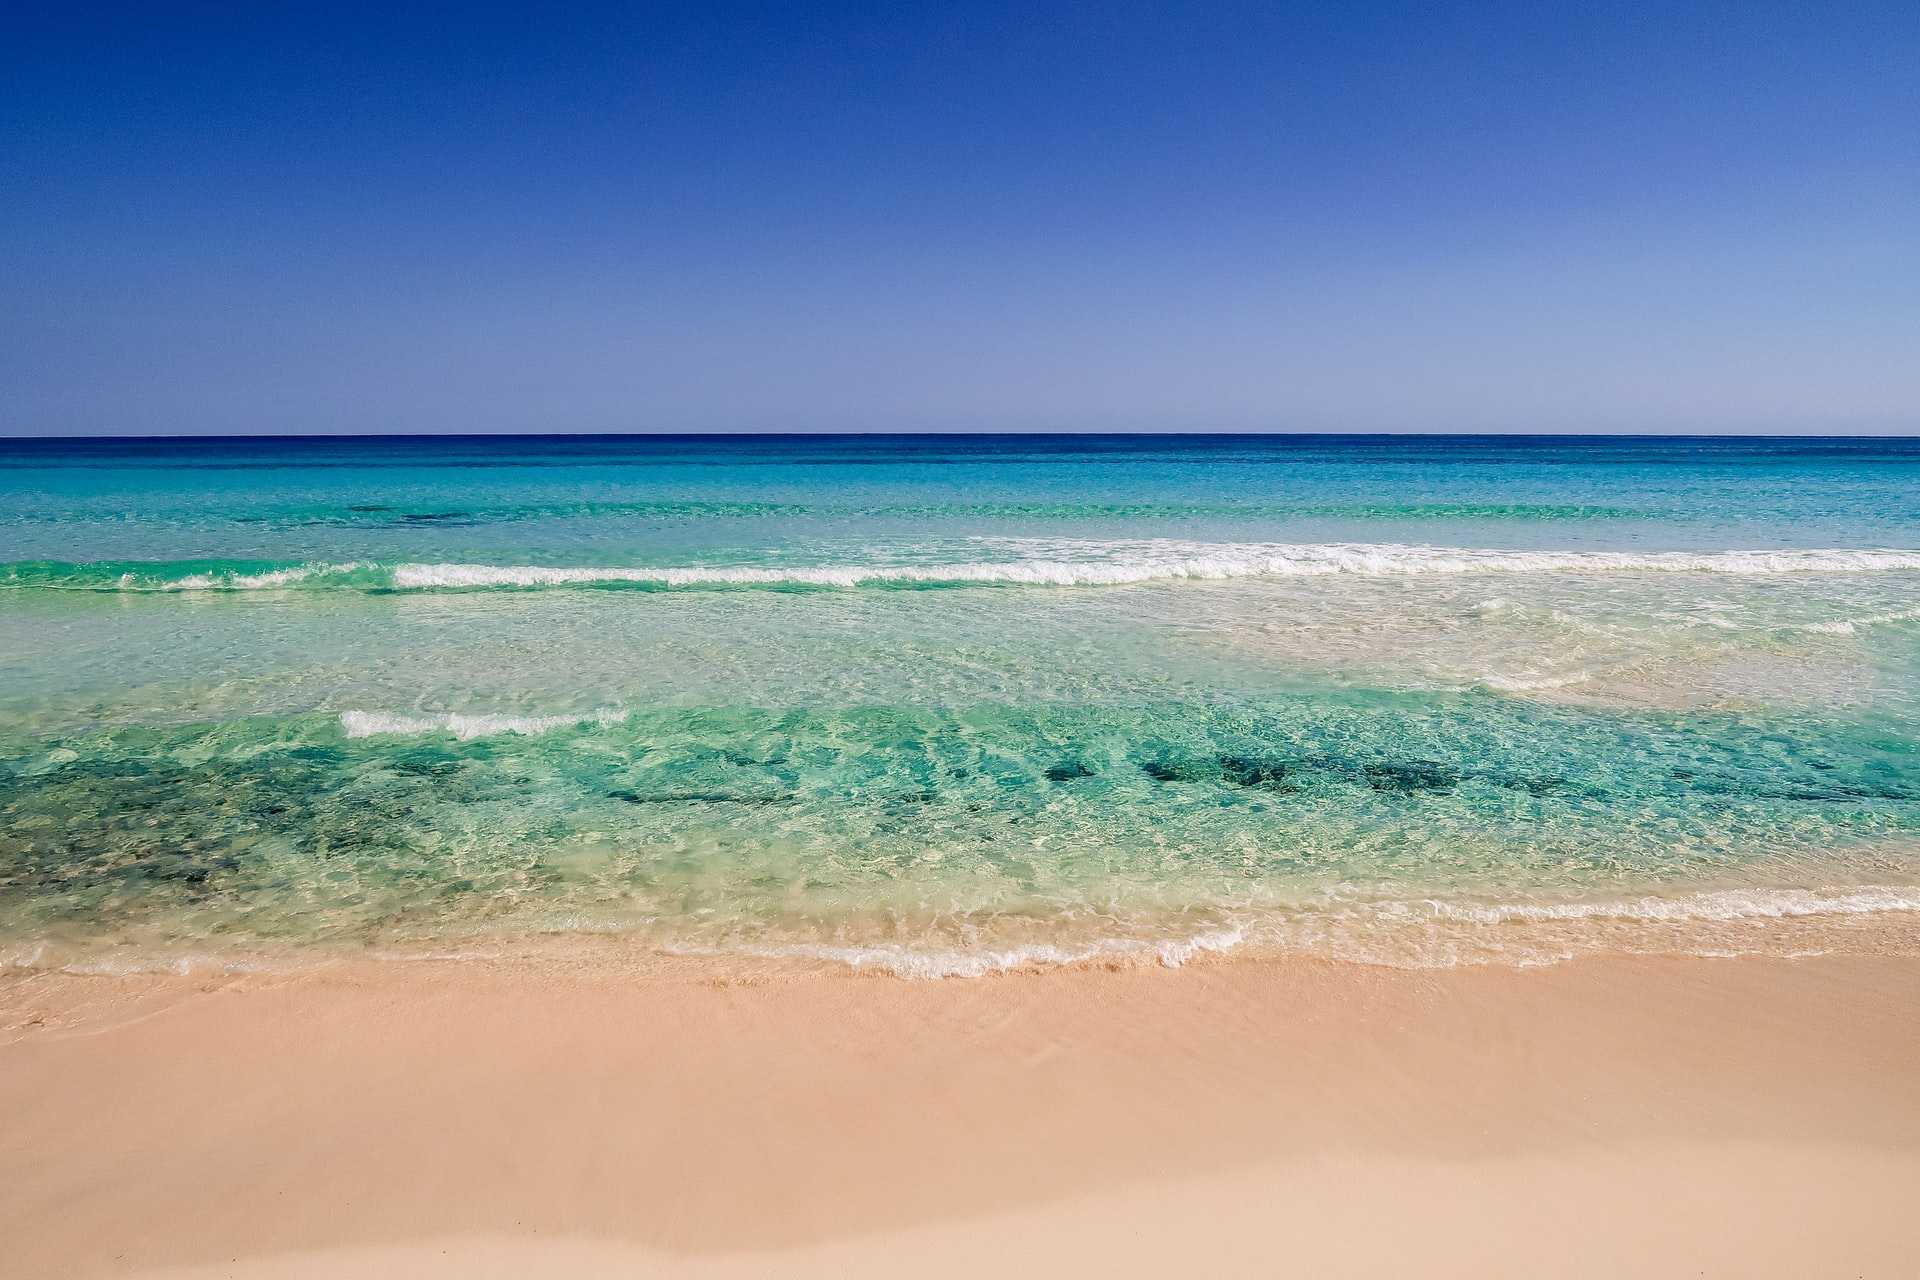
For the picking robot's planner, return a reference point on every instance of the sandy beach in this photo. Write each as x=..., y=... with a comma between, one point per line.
x=1652, y=1116
x=1145, y=642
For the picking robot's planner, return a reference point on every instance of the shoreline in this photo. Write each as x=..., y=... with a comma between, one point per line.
x=1664, y=1114
x=1711, y=920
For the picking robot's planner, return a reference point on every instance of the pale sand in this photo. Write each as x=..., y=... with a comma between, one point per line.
x=1648, y=1117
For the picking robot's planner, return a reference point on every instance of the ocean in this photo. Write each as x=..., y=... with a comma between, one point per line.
x=949, y=705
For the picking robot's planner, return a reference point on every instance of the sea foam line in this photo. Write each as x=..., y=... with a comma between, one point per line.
x=1035, y=562
x=903, y=961
x=1144, y=562
x=266, y=580
x=1707, y=907
x=1711, y=906
x=367, y=724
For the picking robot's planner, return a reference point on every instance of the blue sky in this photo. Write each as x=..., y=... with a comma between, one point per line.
x=961, y=216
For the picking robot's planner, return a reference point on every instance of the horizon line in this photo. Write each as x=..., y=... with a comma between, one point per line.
x=181, y=437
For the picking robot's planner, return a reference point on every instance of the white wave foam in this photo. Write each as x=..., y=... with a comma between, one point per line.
x=367, y=724
x=416, y=577
x=37, y=956
x=1848, y=626
x=1068, y=563
x=1423, y=933
x=1714, y=905
x=1532, y=683
x=26, y=956
x=1056, y=563
x=264, y=581
x=904, y=961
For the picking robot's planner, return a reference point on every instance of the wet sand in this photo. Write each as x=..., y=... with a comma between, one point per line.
x=1651, y=1116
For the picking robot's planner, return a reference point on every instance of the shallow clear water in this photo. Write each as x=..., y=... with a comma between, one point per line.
x=945, y=705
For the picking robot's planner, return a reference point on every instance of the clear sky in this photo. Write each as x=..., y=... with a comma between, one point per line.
x=1200, y=216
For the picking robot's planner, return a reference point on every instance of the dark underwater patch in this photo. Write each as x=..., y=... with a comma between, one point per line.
x=1250, y=771
x=1417, y=775
x=1537, y=787
x=1289, y=773
x=1169, y=771
x=693, y=797
x=1825, y=793
x=436, y=517
x=172, y=828
x=426, y=762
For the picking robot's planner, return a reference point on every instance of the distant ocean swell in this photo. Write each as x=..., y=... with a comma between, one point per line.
x=1065, y=564
x=383, y=515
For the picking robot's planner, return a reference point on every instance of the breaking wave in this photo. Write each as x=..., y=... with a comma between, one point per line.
x=1065, y=563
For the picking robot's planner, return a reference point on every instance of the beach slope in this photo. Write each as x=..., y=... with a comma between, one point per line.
x=1646, y=1116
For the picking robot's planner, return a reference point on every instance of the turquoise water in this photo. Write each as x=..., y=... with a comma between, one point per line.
x=947, y=705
